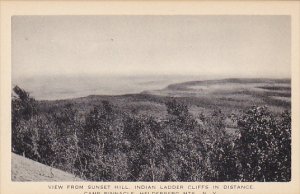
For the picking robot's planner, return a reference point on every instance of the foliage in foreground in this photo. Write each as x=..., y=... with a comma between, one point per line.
x=108, y=144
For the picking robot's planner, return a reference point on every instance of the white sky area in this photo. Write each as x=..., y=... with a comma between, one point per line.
x=233, y=46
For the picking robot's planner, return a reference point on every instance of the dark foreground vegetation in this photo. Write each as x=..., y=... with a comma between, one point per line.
x=108, y=143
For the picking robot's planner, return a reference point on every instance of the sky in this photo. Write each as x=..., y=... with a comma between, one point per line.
x=233, y=46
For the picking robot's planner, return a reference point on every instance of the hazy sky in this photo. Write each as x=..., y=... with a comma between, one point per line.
x=237, y=46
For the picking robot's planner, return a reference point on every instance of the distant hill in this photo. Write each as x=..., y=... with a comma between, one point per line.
x=201, y=96
x=24, y=169
x=275, y=93
x=224, y=86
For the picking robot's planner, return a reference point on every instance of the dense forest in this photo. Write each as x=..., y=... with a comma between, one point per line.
x=108, y=143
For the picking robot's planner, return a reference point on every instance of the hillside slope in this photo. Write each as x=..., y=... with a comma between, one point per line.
x=24, y=169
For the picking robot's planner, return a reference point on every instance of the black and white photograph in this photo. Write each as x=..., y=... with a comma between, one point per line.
x=151, y=98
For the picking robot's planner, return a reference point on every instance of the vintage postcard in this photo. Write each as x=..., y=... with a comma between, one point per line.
x=150, y=97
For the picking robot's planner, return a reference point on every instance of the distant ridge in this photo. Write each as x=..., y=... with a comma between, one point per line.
x=227, y=80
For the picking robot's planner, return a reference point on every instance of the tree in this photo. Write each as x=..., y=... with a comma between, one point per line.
x=264, y=145
x=183, y=144
x=23, y=109
x=64, y=137
x=102, y=144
